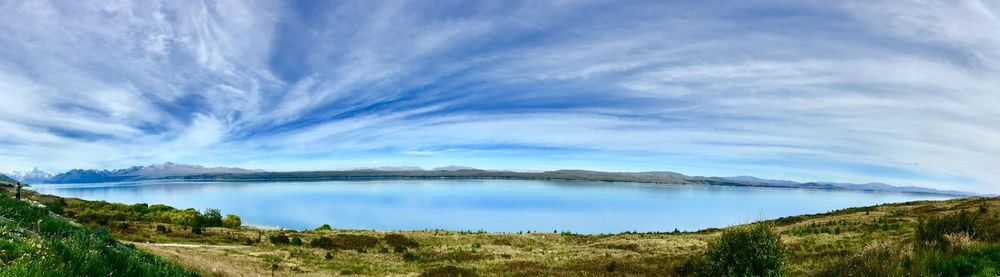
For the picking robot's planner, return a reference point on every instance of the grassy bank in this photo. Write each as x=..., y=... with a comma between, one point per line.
x=35, y=243
x=926, y=238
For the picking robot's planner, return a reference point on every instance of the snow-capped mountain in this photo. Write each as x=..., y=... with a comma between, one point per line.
x=33, y=175
x=167, y=169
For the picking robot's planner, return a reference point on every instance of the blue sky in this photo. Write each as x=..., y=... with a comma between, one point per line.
x=902, y=92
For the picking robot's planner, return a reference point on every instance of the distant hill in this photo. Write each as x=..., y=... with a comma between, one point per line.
x=193, y=172
x=569, y=175
x=846, y=186
x=453, y=168
x=155, y=171
x=751, y=179
x=4, y=179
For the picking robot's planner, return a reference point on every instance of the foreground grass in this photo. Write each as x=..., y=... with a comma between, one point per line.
x=823, y=244
x=867, y=241
x=35, y=243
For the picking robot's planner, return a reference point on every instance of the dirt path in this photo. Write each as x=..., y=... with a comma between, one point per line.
x=186, y=245
x=210, y=260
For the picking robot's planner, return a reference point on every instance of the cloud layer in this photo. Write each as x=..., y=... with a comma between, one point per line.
x=904, y=92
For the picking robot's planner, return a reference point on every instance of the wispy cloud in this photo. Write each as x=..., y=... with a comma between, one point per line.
x=895, y=91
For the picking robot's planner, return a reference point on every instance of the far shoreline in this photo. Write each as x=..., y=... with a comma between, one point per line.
x=194, y=179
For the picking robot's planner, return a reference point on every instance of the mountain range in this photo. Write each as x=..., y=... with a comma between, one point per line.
x=33, y=175
x=171, y=170
x=155, y=171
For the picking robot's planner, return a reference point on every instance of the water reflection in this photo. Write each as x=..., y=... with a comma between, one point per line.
x=492, y=205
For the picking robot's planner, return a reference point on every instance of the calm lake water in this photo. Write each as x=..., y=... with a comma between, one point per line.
x=490, y=205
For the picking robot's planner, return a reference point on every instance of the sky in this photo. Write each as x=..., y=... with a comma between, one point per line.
x=900, y=92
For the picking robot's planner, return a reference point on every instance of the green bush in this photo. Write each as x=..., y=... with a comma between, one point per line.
x=210, y=218
x=101, y=212
x=345, y=241
x=754, y=250
x=232, y=221
x=278, y=239
x=933, y=230
x=322, y=242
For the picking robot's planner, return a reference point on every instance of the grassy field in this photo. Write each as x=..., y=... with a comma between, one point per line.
x=839, y=243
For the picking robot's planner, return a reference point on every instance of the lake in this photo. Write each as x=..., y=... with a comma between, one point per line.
x=490, y=205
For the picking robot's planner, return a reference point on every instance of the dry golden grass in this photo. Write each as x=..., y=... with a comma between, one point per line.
x=813, y=241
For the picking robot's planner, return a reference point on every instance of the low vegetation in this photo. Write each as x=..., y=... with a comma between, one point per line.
x=102, y=213
x=751, y=250
x=924, y=238
x=35, y=243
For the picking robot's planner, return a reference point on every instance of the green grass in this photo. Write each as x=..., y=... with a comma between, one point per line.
x=34, y=243
x=974, y=261
x=956, y=237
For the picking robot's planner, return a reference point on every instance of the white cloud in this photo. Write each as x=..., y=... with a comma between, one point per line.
x=822, y=92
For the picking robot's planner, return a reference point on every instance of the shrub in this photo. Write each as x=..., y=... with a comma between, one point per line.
x=876, y=259
x=211, y=218
x=411, y=257
x=278, y=239
x=345, y=241
x=162, y=229
x=978, y=226
x=322, y=242
x=754, y=250
x=101, y=212
x=397, y=240
x=57, y=205
x=232, y=221
x=449, y=271
x=933, y=230
x=611, y=267
x=975, y=261
x=324, y=227
x=296, y=241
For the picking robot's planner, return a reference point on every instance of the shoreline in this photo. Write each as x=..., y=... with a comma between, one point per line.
x=403, y=178
x=275, y=227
